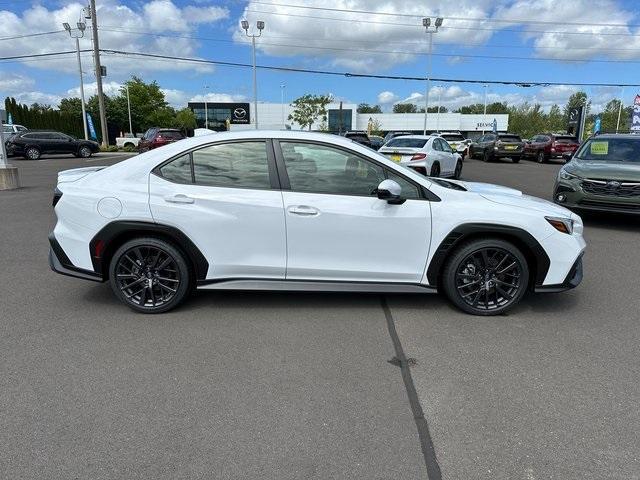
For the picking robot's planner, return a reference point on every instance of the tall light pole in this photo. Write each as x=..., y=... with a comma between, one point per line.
x=484, y=112
x=253, y=36
x=426, y=22
x=438, y=116
x=92, y=14
x=78, y=34
x=282, y=87
x=620, y=109
x=206, y=110
x=129, y=109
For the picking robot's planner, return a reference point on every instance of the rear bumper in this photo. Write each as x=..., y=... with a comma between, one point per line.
x=572, y=280
x=60, y=263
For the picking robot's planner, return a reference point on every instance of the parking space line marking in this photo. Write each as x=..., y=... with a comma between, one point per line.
x=426, y=444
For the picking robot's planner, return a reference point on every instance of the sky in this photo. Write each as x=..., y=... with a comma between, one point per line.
x=593, y=41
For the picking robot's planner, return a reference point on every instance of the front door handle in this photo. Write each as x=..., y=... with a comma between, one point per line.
x=303, y=210
x=179, y=198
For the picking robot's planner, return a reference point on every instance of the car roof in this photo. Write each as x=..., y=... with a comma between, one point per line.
x=424, y=137
x=618, y=135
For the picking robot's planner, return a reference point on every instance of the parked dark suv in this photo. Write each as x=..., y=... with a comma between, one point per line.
x=546, y=146
x=157, y=137
x=492, y=146
x=32, y=144
x=359, y=137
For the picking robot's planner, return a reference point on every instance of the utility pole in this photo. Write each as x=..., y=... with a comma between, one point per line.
x=484, y=113
x=620, y=110
x=253, y=36
x=426, y=22
x=96, y=57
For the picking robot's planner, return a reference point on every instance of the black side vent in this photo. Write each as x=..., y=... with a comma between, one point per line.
x=57, y=195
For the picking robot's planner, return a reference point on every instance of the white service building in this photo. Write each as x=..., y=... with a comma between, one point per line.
x=274, y=116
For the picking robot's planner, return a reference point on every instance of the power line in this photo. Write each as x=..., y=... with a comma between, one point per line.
x=487, y=45
x=31, y=35
x=444, y=27
x=447, y=17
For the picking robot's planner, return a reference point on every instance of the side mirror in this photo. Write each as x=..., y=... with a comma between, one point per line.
x=390, y=191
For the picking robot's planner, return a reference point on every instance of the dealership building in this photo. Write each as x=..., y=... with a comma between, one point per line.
x=274, y=116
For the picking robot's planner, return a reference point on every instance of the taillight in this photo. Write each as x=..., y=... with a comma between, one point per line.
x=418, y=156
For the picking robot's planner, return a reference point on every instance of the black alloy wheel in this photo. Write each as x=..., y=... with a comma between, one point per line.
x=486, y=156
x=540, y=158
x=149, y=275
x=486, y=277
x=458, y=170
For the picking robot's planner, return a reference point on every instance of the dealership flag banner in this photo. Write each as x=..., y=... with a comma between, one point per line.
x=92, y=131
x=635, y=115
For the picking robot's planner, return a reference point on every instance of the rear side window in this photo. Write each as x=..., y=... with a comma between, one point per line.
x=232, y=165
x=512, y=138
x=402, y=142
x=566, y=139
x=453, y=138
x=178, y=170
x=170, y=134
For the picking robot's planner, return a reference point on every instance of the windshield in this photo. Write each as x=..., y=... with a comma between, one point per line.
x=611, y=150
x=453, y=137
x=402, y=142
x=509, y=138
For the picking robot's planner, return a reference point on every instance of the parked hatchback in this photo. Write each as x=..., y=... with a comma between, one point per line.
x=493, y=146
x=157, y=137
x=546, y=146
x=31, y=145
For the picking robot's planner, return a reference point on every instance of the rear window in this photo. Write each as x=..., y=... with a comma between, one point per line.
x=402, y=142
x=611, y=150
x=565, y=139
x=453, y=137
x=510, y=138
x=357, y=136
x=170, y=134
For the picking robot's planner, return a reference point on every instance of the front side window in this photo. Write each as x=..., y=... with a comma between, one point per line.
x=410, y=190
x=233, y=165
x=324, y=169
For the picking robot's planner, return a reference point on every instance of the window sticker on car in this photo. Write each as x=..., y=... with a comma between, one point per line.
x=599, y=148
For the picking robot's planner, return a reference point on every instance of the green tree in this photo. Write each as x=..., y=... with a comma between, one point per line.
x=366, y=108
x=162, y=117
x=576, y=100
x=405, y=108
x=555, y=120
x=185, y=119
x=308, y=109
x=71, y=106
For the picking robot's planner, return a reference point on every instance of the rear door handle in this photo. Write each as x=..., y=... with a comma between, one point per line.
x=179, y=198
x=303, y=210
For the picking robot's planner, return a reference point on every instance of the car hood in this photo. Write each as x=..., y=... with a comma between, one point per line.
x=604, y=170
x=513, y=197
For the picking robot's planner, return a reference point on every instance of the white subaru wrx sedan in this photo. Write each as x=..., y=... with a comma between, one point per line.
x=281, y=210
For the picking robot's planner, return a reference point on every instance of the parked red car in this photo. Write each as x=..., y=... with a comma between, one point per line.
x=545, y=146
x=157, y=137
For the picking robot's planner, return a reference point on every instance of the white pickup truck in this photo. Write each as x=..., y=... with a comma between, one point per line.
x=122, y=142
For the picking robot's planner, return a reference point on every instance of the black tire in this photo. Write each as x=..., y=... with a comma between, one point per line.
x=540, y=157
x=458, y=171
x=159, y=266
x=481, y=263
x=32, y=153
x=515, y=159
x=84, y=152
x=435, y=170
x=486, y=156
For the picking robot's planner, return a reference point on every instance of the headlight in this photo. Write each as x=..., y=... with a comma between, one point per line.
x=564, y=175
x=563, y=225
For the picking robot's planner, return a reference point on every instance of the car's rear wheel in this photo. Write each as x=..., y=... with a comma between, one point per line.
x=486, y=276
x=435, y=170
x=458, y=171
x=150, y=275
x=84, y=152
x=540, y=158
x=32, y=153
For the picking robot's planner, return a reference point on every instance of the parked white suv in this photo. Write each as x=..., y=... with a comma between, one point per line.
x=427, y=154
x=304, y=211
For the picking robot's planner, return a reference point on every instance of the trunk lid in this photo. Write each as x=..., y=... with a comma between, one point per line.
x=75, y=174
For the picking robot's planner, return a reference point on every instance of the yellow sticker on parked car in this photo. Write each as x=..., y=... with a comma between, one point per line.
x=396, y=158
x=599, y=148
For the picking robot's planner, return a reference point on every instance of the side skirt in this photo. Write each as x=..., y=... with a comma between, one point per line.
x=314, y=286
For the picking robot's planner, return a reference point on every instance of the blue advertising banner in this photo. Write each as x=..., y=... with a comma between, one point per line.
x=494, y=126
x=92, y=130
x=597, y=124
x=10, y=119
x=635, y=115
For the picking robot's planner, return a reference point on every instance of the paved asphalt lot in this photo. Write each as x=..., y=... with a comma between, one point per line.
x=284, y=386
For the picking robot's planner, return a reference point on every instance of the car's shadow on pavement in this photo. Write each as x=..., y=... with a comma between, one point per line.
x=610, y=220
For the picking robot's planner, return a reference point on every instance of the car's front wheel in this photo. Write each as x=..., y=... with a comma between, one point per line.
x=458, y=171
x=32, y=153
x=540, y=158
x=486, y=276
x=84, y=152
x=150, y=275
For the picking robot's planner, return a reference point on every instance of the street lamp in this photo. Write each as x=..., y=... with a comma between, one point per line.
x=253, y=36
x=77, y=34
x=206, y=110
x=282, y=87
x=426, y=23
x=484, y=112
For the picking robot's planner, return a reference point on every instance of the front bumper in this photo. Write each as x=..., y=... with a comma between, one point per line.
x=570, y=194
x=572, y=280
x=60, y=263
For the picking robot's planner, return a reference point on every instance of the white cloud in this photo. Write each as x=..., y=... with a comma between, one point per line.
x=387, y=97
x=29, y=98
x=14, y=82
x=120, y=27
